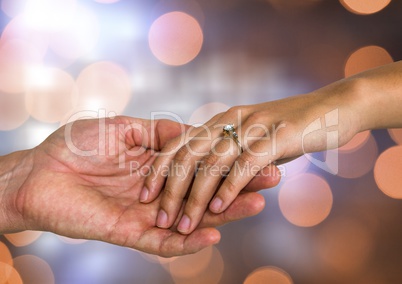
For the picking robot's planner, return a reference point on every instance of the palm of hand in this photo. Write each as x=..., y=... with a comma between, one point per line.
x=97, y=197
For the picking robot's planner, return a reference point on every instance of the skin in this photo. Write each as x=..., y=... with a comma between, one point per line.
x=79, y=185
x=270, y=132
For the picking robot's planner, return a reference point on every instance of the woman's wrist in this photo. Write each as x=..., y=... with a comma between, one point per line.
x=378, y=97
x=15, y=168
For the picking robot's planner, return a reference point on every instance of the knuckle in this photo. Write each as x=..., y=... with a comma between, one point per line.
x=182, y=155
x=210, y=161
x=255, y=117
x=245, y=160
x=231, y=188
x=169, y=195
x=171, y=146
x=195, y=202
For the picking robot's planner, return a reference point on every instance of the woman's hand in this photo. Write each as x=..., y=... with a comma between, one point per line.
x=265, y=133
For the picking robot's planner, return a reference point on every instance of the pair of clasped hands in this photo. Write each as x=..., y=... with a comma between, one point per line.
x=162, y=187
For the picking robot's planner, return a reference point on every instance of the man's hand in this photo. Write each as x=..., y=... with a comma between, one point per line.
x=85, y=180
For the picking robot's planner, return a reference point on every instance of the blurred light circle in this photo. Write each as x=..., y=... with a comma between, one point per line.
x=104, y=85
x=396, y=135
x=5, y=255
x=211, y=272
x=23, y=238
x=49, y=15
x=354, y=164
x=364, y=7
x=356, y=142
x=33, y=269
x=15, y=57
x=205, y=266
x=12, y=111
x=206, y=112
x=175, y=38
x=51, y=93
x=19, y=28
x=365, y=58
x=9, y=275
x=305, y=200
x=13, y=8
x=268, y=274
x=387, y=172
x=78, y=37
x=191, y=265
x=156, y=259
x=344, y=244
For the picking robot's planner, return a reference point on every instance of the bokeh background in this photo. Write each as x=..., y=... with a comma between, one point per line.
x=191, y=59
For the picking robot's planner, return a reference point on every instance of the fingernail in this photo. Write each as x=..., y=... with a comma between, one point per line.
x=216, y=204
x=161, y=220
x=144, y=194
x=184, y=224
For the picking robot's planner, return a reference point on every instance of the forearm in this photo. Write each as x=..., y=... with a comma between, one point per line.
x=14, y=170
x=380, y=97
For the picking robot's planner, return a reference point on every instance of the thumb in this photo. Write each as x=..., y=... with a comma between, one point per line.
x=166, y=130
x=152, y=134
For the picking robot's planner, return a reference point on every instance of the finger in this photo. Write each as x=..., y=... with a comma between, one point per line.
x=268, y=177
x=209, y=176
x=245, y=205
x=246, y=167
x=184, y=165
x=166, y=243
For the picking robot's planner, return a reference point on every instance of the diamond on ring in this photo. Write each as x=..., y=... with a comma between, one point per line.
x=229, y=131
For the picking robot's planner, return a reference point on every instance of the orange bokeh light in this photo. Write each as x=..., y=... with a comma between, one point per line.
x=175, y=38
x=33, y=269
x=205, y=266
x=191, y=265
x=396, y=135
x=354, y=164
x=387, y=172
x=365, y=7
x=305, y=200
x=51, y=93
x=344, y=244
x=356, y=142
x=104, y=85
x=5, y=254
x=23, y=238
x=365, y=58
x=9, y=275
x=268, y=274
